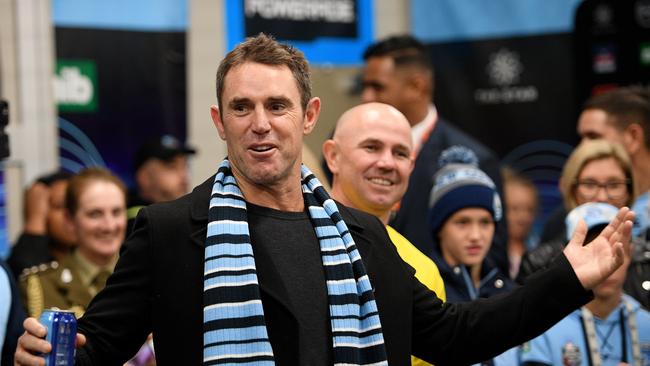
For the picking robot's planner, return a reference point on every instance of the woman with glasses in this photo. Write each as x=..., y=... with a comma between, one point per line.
x=596, y=171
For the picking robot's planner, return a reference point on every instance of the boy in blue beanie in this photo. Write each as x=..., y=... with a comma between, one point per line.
x=464, y=207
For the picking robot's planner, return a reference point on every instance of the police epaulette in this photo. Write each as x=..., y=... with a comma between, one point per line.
x=40, y=268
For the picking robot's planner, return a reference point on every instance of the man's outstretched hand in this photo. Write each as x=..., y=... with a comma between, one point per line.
x=594, y=262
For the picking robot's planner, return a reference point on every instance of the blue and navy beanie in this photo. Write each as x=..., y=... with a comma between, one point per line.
x=460, y=184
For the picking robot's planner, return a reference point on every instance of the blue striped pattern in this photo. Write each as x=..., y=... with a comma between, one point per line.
x=233, y=317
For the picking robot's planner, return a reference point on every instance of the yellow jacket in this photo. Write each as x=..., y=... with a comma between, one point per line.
x=426, y=270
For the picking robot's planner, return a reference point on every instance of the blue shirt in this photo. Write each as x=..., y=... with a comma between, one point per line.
x=5, y=304
x=567, y=334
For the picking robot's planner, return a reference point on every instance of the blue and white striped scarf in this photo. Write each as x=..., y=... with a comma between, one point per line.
x=234, y=330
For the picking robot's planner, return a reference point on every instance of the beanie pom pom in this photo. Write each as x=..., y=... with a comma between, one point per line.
x=458, y=154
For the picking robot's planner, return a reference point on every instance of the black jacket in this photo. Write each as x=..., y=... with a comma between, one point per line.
x=157, y=287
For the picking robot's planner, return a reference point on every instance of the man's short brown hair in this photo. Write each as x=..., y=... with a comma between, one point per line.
x=266, y=50
x=625, y=106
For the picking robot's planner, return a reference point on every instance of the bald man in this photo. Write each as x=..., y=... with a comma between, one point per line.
x=370, y=156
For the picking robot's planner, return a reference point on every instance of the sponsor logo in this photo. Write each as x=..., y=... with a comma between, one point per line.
x=644, y=54
x=75, y=86
x=571, y=355
x=504, y=70
x=504, y=67
x=333, y=11
x=604, y=59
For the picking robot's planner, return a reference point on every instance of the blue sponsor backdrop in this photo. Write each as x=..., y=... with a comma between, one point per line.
x=144, y=15
x=322, y=50
x=453, y=20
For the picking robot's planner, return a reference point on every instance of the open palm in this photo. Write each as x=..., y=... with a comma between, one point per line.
x=594, y=262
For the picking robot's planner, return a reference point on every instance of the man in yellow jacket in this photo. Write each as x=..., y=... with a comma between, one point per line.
x=371, y=158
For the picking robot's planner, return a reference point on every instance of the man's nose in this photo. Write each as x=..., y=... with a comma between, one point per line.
x=368, y=94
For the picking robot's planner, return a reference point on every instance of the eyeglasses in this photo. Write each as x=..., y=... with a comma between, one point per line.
x=614, y=189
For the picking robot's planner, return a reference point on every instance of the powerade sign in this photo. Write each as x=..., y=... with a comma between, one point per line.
x=75, y=86
x=327, y=31
x=315, y=18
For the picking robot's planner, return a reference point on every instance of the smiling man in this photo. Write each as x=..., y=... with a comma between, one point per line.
x=370, y=160
x=259, y=266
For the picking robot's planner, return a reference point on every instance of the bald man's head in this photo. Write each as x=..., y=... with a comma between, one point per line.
x=370, y=158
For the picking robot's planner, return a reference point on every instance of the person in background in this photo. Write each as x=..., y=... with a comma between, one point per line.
x=95, y=207
x=596, y=171
x=12, y=315
x=623, y=116
x=370, y=160
x=260, y=260
x=399, y=71
x=161, y=174
x=46, y=237
x=465, y=208
x=521, y=204
x=610, y=330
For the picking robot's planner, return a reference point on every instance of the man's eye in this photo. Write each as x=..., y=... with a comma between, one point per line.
x=239, y=108
x=277, y=107
x=402, y=154
x=370, y=148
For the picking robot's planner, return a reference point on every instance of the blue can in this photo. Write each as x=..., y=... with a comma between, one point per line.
x=61, y=333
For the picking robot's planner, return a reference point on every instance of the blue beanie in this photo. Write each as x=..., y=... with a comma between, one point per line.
x=460, y=184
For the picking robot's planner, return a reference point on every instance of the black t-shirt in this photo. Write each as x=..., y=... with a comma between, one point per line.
x=288, y=241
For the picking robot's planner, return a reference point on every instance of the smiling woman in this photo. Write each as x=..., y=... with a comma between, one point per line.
x=96, y=211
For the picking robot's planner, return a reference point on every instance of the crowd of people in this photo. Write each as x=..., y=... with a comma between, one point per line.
x=419, y=252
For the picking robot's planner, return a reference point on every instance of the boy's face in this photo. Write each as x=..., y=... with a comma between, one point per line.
x=466, y=236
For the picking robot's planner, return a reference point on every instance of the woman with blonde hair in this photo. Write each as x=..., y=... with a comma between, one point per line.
x=596, y=171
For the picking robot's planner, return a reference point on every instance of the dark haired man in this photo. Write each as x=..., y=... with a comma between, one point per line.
x=45, y=237
x=258, y=265
x=399, y=72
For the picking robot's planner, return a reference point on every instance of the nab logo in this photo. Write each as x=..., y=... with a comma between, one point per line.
x=75, y=86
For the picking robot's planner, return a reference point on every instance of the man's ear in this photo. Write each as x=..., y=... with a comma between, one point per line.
x=312, y=111
x=633, y=138
x=218, y=122
x=331, y=154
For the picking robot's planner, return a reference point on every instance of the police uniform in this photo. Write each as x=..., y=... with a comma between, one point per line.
x=565, y=343
x=69, y=284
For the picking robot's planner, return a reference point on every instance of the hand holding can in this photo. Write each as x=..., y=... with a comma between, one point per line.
x=32, y=345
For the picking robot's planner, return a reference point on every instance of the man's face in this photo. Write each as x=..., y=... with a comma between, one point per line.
x=466, y=236
x=613, y=285
x=594, y=124
x=57, y=226
x=166, y=180
x=383, y=83
x=263, y=123
x=372, y=160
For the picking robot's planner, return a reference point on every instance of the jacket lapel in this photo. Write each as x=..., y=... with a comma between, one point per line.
x=199, y=205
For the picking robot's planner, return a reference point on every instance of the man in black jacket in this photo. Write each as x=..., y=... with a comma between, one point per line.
x=165, y=278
